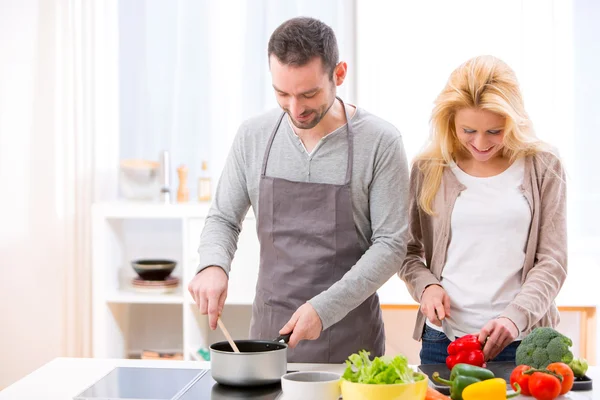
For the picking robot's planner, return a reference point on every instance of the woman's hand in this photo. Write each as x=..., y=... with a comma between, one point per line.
x=499, y=332
x=434, y=299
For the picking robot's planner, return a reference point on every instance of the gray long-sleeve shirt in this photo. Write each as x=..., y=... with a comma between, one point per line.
x=380, y=189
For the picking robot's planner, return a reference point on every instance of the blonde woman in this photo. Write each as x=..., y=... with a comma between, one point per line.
x=488, y=247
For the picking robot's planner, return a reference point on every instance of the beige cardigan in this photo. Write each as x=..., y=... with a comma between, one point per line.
x=545, y=265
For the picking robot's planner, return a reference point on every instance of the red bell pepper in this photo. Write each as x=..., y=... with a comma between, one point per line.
x=465, y=350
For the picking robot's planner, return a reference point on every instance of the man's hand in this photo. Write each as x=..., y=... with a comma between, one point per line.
x=209, y=290
x=499, y=332
x=434, y=299
x=305, y=324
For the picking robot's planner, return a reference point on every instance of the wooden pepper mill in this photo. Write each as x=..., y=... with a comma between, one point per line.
x=183, y=193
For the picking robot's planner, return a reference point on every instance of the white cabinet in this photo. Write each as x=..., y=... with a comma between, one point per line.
x=126, y=322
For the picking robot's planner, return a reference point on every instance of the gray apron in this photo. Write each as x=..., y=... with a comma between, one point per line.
x=308, y=241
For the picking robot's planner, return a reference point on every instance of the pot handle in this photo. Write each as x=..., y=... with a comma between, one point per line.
x=284, y=338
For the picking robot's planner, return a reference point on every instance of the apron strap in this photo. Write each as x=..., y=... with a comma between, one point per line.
x=350, y=138
x=269, y=144
x=350, y=144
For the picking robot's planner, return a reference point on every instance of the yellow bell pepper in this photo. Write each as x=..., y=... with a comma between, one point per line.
x=490, y=389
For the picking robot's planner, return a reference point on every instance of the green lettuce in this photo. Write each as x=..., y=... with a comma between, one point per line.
x=379, y=371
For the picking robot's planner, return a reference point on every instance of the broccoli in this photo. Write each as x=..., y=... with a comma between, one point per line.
x=544, y=346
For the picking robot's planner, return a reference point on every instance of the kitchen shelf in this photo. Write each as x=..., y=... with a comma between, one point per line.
x=127, y=230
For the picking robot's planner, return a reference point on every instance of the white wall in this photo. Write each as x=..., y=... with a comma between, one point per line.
x=586, y=36
x=586, y=217
x=32, y=236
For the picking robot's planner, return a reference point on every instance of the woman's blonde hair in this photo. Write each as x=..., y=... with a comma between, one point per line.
x=483, y=82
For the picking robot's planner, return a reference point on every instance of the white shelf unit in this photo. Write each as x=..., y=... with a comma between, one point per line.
x=125, y=322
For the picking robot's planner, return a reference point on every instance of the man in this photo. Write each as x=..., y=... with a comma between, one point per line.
x=329, y=185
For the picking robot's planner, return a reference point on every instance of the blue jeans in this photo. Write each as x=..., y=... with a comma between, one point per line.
x=435, y=345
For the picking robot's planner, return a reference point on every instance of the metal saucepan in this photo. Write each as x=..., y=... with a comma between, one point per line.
x=259, y=362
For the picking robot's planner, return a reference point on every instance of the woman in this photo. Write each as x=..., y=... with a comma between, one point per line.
x=488, y=248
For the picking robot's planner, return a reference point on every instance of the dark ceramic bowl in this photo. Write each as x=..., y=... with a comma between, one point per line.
x=153, y=269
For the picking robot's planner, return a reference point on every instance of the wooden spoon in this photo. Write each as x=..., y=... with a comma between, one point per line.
x=227, y=335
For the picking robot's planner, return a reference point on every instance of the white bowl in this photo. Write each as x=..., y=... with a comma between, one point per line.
x=139, y=179
x=311, y=385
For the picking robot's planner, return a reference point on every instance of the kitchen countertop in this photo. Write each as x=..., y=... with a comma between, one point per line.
x=64, y=378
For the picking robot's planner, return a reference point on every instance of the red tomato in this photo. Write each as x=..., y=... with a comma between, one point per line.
x=567, y=374
x=544, y=386
x=517, y=376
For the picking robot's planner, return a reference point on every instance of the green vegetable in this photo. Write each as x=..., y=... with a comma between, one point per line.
x=380, y=371
x=544, y=346
x=579, y=366
x=461, y=376
x=457, y=385
x=471, y=370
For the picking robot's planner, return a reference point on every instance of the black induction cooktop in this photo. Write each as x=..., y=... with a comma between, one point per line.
x=136, y=383
x=207, y=388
